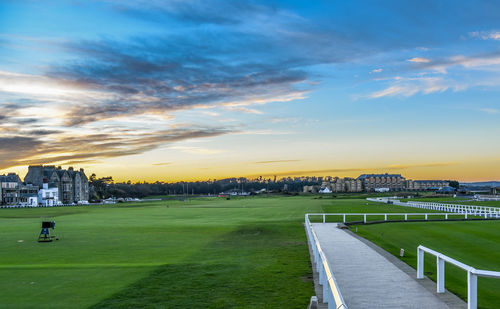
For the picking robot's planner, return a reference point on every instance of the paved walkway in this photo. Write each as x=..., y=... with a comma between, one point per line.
x=369, y=280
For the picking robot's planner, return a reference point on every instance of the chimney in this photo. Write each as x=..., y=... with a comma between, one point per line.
x=70, y=168
x=81, y=170
x=45, y=183
x=59, y=167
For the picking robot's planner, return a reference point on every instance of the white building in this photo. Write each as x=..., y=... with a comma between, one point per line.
x=48, y=196
x=325, y=190
x=29, y=200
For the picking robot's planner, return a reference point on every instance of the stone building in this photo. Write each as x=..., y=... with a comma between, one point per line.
x=418, y=185
x=394, y=182
x=310, y=189
x=343, y=185
x=14, y=192
x=73, y=186
x=9, y=189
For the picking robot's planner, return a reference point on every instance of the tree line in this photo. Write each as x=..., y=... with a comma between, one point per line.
x=105, y=187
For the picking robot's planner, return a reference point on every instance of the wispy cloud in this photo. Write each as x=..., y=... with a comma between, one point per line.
x=198, y=150
x=243, y=109
x=376, y=71
x=431, y=164
x=275, y=161
x=419, y=60
x=62, y=147
x=476, y=61
x=490, y=110
x=485, y=35
x=406, y=87
x=162, y=163
x=285, y=119
x=332, y=171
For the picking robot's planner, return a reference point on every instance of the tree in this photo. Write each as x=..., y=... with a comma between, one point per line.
x=453, y=183
x=99, y=186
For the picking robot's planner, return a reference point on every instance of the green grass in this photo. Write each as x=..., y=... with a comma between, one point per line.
x=209, y=253
x=474, y=243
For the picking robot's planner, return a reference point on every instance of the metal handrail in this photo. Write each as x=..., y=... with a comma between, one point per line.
x=331, y=291
x=472, y=273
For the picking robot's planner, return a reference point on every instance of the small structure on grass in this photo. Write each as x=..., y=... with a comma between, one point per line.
x=45, y=235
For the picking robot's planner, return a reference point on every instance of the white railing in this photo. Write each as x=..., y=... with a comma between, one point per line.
x=472, y=273
x=331, y=290
x=386, y=216
x=48, y=206
x=487, y=212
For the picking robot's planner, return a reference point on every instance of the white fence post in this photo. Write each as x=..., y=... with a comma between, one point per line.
x=440, y=274
x=324, y=218
x=326, y=299
x=385, y=217
x=364, y=218
x=471, y=290
x=420, y=263
x=344, y=218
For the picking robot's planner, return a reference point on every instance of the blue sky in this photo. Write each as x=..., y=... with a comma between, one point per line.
x=208, y=89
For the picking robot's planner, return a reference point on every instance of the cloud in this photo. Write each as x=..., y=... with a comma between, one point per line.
x=484, y=61
x=406, y=87
x=157, y=76
x=285, y=119
x=490, y=110
x=357, y=170
x=25, y=150
x=13, y=147
x=376, y=71
x=485, y=35
x=419, y=60
x=210, y=113
x=162, y=163
x=476, y=61
x=432, y=164
x=243, y=110
x=310, y=172
x=440, y=80
x=195, y=12
x=197, y=150
x=275, y=161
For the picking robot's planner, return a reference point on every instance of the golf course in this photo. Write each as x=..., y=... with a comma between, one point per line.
x=248, y=252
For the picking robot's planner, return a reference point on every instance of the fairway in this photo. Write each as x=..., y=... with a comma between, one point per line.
x=206, y=252
x=241, y=253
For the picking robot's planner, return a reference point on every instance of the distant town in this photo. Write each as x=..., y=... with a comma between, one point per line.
x=49, y=185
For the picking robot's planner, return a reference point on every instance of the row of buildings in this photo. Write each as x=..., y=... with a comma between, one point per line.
x=45, y=186
x=376, y=182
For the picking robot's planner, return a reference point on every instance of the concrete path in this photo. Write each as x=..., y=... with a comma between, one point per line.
x=369, y=280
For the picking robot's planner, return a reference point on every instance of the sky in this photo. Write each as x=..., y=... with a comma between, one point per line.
x=192, y=90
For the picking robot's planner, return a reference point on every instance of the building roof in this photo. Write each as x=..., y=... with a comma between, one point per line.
x=428, y=181
x=11, y=177
x=364, y=176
